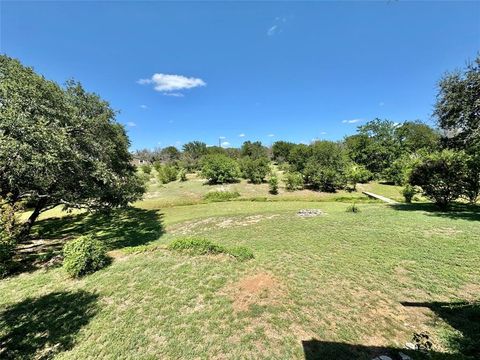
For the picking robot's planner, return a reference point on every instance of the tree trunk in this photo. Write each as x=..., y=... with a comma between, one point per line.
x=27, y=226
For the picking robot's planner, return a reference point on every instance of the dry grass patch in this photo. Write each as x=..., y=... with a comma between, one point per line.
x=260, y=289
x=197, y=226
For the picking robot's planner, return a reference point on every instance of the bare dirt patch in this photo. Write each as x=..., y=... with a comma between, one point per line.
x=258, y=289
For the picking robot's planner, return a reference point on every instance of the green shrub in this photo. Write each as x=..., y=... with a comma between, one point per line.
x=353, y=208
x=9, y=232
x=399, y=171
x=216, y=196
x=182, y=174
x=408, y=193
x=293, y=181
x=442, y=176
x=196, y=246
x=285, y=167
x=273, y=185
x=201, y=246
x=358, y=174
x=241, y=253
x=167, y=173
x=84, y=255
x=144, y=178
x=219, y=169
x=324, y=178
x=255, y=170
x=146, y=168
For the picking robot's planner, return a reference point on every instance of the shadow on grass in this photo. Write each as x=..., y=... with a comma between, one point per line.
x=325, y=350
x=117, y=229
x=44, y=326
x=462, y=316
x=456, y=211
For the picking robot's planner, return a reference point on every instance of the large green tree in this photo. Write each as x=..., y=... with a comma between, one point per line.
x=375, y=145
x=60, y=146
x=254, y=150
x=458, y=114
x=413, y=136
x=458, y=106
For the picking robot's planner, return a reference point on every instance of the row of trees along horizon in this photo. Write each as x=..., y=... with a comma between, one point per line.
x=442, y=162
x=62, y=145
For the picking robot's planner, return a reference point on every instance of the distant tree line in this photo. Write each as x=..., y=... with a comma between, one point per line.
x=442, y=162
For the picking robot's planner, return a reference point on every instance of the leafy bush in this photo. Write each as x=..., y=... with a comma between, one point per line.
x=9, y=232
x=201, y=246
x=255, y=170
x=324, y=178
x=441, y=175
x=241, y=253
x=285, y=167
x=216, y=196
x=293, y=181
x=167, y=173
x=219, y=169
x=196, y=246
x=84, y=255
x=182, y=174
x=472, y=181
x=399, y=172
x=146, y=168
x=408, y=193
x=144, y=178
x=353, y=208
x=358, y=174
x=273, y=185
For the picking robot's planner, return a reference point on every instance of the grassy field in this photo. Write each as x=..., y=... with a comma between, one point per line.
x=336, y=286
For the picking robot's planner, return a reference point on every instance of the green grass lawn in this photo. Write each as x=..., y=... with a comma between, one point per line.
x=336, y=286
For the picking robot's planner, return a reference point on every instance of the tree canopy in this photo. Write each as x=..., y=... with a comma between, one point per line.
x=60, y=146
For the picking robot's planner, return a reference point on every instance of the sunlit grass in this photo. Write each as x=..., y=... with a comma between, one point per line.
x=339, y=277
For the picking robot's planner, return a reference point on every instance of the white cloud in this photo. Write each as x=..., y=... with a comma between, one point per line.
x=222, y=137
x=271, y=135
x=143, y=106
x=131, y=124
x=225, y=144
x=241, y=135
x=169, y=84
x=352, y=121
x=272, y=30
x=323, y=133
x=381, y=103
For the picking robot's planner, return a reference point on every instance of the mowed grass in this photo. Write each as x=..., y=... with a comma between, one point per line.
x=340, y=285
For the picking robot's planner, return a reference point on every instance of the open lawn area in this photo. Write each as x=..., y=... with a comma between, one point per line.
x=339, y=285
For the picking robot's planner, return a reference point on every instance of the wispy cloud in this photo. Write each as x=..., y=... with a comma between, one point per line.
x=277, y=26
x=271, y=30
x=169, y=84
x=323, y=133
x=271, y=135
x=225, y=144
x=143, y=106
x=131, y=124
x=352, y=121
x=241, y=135
x=381, y=103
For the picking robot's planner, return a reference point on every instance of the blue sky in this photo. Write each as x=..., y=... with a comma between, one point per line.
x=266, y=70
